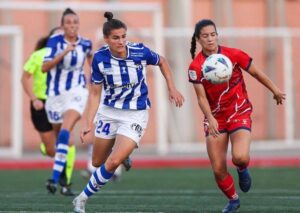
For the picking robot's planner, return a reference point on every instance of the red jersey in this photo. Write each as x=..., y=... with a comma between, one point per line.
x=229, y=98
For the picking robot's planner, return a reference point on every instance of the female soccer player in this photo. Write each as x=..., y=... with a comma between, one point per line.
x=34, y=84
x=120, y=67
x=67, y=94
x=227, y=110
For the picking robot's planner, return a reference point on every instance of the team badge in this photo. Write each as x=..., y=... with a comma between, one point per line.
x=137, y=128
x=193, y=75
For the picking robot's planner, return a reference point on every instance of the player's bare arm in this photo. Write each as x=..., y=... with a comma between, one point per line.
x=204, y=106
x=92, y=107
x=174, y=95
x=278, y=95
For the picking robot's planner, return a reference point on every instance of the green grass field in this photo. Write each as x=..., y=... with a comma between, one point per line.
x=154, y=190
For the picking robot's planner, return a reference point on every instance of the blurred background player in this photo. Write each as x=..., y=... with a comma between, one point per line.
x=34, y=84
x=66, y=88
x=227, y=110
x=120, y=67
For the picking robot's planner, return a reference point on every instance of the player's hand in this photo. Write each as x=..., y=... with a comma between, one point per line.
x=176, y=97
x=279, y=97
x=37, y=104
x=86, y=135
x=213, y=127
x=70, y=47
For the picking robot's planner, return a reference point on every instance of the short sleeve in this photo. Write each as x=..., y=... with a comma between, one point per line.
x=152, y=58
x=89, y=49
x=97, y=76
x=51, y=49
x=194, y=73
x=30, y=66
x=243, y=59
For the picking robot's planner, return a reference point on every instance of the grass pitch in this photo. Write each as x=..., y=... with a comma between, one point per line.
x=154, y=190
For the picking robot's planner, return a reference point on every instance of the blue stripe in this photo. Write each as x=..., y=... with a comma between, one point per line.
x=143, y=99
x=124, y=72
x=69, y=80
x=129, y=97
x=97, y=178
x=87, y=192
x=105, y=173
x=49, y=77
x=62, y=151
x=59, y=163
x=92, y=187
x=74, y=57
x=56, y=81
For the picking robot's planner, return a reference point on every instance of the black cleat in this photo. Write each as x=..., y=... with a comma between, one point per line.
x=51, y=186
x=66, y=191
x=127, y=163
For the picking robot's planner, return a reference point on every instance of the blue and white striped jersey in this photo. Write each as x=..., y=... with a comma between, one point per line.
x=124, y=80
x=69, y=72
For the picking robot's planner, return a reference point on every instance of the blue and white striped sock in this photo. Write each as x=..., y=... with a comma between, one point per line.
x=62, y=147
x=99, y=178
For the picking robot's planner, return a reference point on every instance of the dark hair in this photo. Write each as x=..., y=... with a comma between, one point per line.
x=67, y=11
x=42, y=42
x=198, y=27
x=111, y=24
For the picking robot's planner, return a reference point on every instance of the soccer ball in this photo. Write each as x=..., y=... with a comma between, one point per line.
x=217, y=68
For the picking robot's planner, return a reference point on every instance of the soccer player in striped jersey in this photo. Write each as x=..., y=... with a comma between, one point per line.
x=66, y=88
x=227, y=110
x=34, y=84
x=120, y=68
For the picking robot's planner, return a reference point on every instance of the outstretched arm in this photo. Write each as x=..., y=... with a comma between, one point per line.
x=174, y=95
x=205, y=108
x=278, y=95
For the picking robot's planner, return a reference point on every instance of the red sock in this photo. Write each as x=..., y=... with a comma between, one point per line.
x=242, y=168
x=227, y=187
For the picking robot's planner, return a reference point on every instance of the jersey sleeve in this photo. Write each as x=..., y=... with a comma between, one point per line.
x=97, y=76
x=243, y=59
x=30, y=66
x=51, y=49
x=194, y=73
x=152, y=57
x=89, y=49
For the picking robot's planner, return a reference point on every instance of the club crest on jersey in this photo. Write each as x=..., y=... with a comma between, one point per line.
x=123, y=70
x=137, y=128
x=193, y=75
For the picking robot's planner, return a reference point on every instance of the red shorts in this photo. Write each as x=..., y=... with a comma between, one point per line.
x=231, y=120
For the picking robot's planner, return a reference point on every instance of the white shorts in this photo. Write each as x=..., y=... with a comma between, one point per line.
x=74, y=99
x=112, y=122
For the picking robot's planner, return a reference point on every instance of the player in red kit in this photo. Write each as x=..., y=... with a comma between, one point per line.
x=227, y=110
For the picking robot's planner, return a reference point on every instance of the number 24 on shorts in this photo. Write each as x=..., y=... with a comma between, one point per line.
x=101, y=127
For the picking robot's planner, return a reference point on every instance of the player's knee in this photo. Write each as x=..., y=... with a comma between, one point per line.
x=112, y=163
x=220, y=172
x=240, y=160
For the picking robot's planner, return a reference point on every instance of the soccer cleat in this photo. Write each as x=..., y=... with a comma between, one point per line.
x=244, y=180
x=127, y=163
x=51, y=186
x=79, y=205
x=66, y=191
x=232, y=206
x=63, y=178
